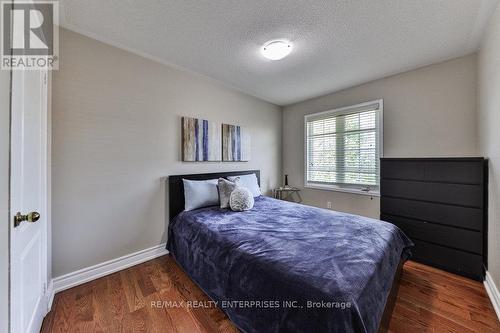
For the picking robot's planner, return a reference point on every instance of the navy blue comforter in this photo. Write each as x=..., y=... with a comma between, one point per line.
x=285, y=267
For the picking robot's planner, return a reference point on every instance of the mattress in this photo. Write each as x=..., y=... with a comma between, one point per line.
x=286, y=267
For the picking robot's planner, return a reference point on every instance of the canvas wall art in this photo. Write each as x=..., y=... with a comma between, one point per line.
x=235, y=143
x=201, y=140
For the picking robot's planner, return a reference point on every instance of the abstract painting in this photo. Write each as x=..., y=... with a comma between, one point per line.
x=235, y=143
x=201, y=140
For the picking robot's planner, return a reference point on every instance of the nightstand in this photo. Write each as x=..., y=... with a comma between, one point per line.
x=287, y=193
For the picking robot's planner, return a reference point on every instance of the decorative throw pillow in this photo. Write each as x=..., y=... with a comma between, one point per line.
x=226, y=187
x=241, y=199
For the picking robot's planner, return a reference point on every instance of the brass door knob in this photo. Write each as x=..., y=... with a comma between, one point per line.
x=31, y=217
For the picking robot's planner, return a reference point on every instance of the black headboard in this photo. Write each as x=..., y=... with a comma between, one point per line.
x=176, y=187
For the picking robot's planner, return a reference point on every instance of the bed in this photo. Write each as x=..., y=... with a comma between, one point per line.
x=286, y=267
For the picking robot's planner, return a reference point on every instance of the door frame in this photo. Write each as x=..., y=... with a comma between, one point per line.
x=5, y=77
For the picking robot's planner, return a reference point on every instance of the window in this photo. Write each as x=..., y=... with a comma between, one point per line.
x=343, y=148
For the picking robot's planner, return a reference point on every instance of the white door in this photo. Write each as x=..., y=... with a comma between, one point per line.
x=28, y=247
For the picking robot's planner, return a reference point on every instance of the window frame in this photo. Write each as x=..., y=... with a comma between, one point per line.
x=348, y=188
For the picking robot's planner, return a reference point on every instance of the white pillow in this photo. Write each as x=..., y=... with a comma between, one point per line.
x=250, y=182
x=200, y=193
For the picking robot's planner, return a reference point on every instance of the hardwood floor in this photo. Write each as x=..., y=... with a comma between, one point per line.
x=429, y=300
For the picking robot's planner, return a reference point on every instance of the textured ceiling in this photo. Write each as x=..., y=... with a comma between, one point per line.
x=337, y=43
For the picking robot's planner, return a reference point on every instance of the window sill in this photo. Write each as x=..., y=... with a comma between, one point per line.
x=342, y=189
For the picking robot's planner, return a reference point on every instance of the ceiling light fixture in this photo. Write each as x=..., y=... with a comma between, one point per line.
x=276, y=49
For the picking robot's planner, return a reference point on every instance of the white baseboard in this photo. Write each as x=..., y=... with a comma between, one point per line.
x=493, y=293
x=81, y=276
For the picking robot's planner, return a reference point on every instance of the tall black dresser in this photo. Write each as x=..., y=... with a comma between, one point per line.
x=442, y=205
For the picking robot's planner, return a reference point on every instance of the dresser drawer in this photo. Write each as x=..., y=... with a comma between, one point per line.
x=453, y=194
x=460, y=239
x=455, y=216
x=457, y=172
x=451, y=260
x=454, y=172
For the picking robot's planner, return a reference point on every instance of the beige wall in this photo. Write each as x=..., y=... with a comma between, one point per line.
x=4, y=197
x=116, y=135
x=489, y=133
x=427, y=112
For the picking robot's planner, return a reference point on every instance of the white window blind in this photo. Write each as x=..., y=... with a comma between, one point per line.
x=343, y=147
